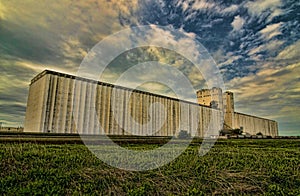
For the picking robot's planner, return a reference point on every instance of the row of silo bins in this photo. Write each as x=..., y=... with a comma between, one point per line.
x=78, y=105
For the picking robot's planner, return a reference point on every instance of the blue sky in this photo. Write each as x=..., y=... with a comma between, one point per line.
x=256, y=45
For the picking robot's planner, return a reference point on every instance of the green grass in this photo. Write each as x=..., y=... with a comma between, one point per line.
x=232, y=167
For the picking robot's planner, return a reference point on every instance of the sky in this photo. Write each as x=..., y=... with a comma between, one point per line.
x=255, y=45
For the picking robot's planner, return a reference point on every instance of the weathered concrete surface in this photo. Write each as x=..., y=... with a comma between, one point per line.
x=62, y=103
x=254, y=125
x=235, y=120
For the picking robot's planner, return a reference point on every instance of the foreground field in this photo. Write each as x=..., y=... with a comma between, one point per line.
x=257, y=167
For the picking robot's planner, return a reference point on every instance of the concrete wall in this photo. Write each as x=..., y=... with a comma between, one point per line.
x=254, y=125
x=35, y=111
x=234, y=120
x=228, y=110
x=60, y=103
x=207, y=96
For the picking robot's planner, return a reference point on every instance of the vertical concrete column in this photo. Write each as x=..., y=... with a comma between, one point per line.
x=267, y=127
x=173, y=118
x=51, y=114
x=198, y=132
x=69, y=120
x=141, y=113
x=126, y=112
x=88, y=111
x=137, y=109
x=64, y=106
x=213, y=120
x=93, y=112
x=131, y=113
x=82, y=107
x=143, y=103
x=116, y=111
x=97, y=106
x=168, y=119
x=132, y=109
x=171, y=125
x=193, y=120
x=76, y=106
x=162, y=119
x=193, y=116
x=234, y=121
x=109, y=115
x=103, y=109
x=216, y=126
x=275, y=129
x=120, y=101
x=206, y=116
x=160, y=114
x=177, y=118
x=169, y=116
x=57, y=106
x=189, y=113
x=154, y=116
x=98, y=110
x=76, y=99
x=92, y=108
x=120, y=111
x=48, y=103
x=251, y=124
x=200, y=123
x=45, y=87
x=272, y=128
x=149, y=114
x=159, y=126
x=106, y=109
x=112, y=116
x=183, y=117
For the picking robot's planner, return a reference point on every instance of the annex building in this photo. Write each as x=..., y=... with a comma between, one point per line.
x=63, y=103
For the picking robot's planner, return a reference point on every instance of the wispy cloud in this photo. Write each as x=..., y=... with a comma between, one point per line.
x=291, y=52
x=270, y=7
x=271, y=30
x=238, y=23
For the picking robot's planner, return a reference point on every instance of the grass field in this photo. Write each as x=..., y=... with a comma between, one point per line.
x=232, y=167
